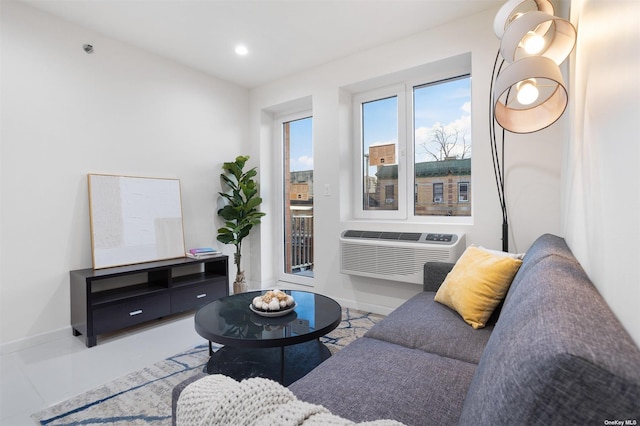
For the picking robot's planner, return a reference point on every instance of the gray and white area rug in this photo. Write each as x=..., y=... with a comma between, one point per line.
x=144, y=397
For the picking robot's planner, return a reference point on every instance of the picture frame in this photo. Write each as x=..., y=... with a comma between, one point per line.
x=134, y=219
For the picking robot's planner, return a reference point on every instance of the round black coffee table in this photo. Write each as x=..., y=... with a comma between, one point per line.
x=254, y=345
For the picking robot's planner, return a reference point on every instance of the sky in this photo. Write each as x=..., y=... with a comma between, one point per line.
x=301, y=144
x=447, y=104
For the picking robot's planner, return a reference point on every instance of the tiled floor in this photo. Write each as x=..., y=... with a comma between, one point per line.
x=34, y=378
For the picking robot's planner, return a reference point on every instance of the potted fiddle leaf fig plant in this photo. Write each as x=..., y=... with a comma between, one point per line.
x=240, y=212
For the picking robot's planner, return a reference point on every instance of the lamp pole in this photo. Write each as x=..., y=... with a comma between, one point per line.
x=498, y=158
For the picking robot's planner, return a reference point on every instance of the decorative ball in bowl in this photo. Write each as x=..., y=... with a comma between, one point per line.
x=273, y=302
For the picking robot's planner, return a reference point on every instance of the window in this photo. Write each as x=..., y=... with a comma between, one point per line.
x=415, y=137
x=463, y=192
x=379, y=147
x=297, y=184
x=380, y=131
x=389, y=197
x=442, y=141
x=438, y=192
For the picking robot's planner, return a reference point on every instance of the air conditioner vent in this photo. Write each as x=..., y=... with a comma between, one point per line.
x=369, y=234
x=393, y=236
x=352, y=234
x=390, y=235
x=410, y=236
x=396, y=256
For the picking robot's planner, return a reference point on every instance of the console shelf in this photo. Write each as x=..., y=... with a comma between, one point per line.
x=106, y=300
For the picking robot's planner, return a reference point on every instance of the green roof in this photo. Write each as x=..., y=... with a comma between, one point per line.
x=430, y=169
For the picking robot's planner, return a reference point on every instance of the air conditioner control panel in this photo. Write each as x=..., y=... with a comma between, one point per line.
x=441, y=238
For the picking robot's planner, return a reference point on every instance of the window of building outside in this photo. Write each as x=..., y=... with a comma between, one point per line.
x=297, y=151
x=463, y=192
x=438, y=192
x=434, y=128
x=389, y=196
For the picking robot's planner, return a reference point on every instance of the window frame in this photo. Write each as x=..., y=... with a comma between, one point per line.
x=440, y=186
x=405, y=149
x=460, y=200
x=399, y=91
x=279, y=122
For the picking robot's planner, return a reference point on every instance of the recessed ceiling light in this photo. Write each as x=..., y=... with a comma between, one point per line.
x=242, y=50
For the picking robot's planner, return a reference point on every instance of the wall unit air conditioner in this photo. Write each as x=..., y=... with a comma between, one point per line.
x=437, y=200
x=396, y=256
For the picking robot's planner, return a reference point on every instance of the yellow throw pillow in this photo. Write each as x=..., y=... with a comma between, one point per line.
x=477, y=283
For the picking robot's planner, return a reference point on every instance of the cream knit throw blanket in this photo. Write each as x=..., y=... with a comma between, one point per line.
x=220, y=400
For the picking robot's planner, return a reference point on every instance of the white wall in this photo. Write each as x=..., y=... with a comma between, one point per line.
x=118, y=111
x=533, y=161
x=601, y=190
x=124, y=111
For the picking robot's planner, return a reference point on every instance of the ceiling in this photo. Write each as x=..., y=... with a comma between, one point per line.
x=283, y=37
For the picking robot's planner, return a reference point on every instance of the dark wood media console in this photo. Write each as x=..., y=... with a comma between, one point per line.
x=106, y=300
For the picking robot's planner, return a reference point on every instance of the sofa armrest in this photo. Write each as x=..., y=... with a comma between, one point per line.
x=434, y=275
x=177, y=390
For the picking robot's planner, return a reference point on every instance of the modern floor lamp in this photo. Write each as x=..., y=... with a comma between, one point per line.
x=529, y=94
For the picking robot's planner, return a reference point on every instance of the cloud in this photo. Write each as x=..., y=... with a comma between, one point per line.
x=303, y=162
x=424, y=135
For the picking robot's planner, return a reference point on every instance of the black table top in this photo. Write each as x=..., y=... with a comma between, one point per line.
x=229, y=321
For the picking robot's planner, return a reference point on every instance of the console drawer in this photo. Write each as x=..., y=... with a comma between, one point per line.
x=195, y=296
x=131, y=312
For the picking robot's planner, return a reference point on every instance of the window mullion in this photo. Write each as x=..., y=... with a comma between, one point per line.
x=404, y=136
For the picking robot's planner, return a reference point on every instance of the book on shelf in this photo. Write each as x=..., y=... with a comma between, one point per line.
x=202, y=255
x=202, y=252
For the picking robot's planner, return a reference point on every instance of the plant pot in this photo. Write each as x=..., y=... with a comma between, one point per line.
x=240, y=284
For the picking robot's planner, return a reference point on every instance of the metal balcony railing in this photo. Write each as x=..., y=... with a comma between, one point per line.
x=301, y=243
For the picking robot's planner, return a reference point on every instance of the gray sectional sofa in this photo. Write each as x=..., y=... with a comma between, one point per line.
x=554, y=353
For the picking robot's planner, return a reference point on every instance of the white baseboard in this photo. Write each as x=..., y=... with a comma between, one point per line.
x=367, y=307
x=36, y=340
x=347, y=303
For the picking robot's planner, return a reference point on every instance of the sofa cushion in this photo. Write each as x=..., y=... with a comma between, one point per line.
x=477, y=284
x=421, y=323
x=371, y=379
x=177, y=390
x=557, y=354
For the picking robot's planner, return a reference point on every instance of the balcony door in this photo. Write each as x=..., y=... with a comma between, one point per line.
x=297, y=179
